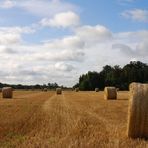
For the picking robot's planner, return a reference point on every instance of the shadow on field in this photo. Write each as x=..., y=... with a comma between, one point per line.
x=123, y=99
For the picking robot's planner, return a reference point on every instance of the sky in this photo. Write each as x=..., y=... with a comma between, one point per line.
x=45, y=41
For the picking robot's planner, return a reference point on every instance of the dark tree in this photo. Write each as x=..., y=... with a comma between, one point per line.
x=115, y=76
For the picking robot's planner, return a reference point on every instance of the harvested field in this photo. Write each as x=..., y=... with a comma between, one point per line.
x=70, y=120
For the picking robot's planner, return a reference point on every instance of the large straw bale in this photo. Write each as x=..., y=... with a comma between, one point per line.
x=110, y=93
x=7, y=92
x=76, y=89
x=117, y=89
x=138, y=111
x=45, y=89
x=59, y=91
x=132, y=84
x=96, y=89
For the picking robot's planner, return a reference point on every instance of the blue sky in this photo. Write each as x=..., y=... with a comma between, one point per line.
x=44, y=40
x=99, y=11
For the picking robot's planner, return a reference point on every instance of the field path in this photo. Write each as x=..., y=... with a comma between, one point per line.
x=75, y=122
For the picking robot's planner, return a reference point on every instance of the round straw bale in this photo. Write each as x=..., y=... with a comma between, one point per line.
x=131, y=85
x=117, y=89
x=7, y=92
x=59, y=91
x=76, y=89
x=110, y=93
x=96, y=89
x=138, y=111
x=0, y=90
x=45, y=89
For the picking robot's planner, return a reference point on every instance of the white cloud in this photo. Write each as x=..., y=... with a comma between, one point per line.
x=46, y=7
x=16, y=29
x=93, y=33
x=136, y=34
x=64, y=55
x=7, y=4
x=69, y=42
x=124, y=49
x=41, y=8
x=63, y=19
x=12, y=35
x=64, y=67
x=136, y=14
x=4, y=49
x=62, y=60
x=140, y=50
x=88, y=48
x=9, y=38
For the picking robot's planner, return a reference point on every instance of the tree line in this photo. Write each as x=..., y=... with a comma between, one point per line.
x=135, y=71
x=36, y=86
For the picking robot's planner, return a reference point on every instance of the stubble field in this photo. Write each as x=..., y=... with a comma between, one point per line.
x=35, y=119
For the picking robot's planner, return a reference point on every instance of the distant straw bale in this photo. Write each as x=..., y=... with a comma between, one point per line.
x=77, y=89
x=59, y=91
x=96, y=89
x=45, y=89
x=7, y=92
x=110, y=93
x=117, y=89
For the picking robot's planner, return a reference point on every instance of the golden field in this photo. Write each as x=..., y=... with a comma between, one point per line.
x=35, y=119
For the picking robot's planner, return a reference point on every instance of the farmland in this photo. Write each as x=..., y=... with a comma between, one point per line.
x=73, y=119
